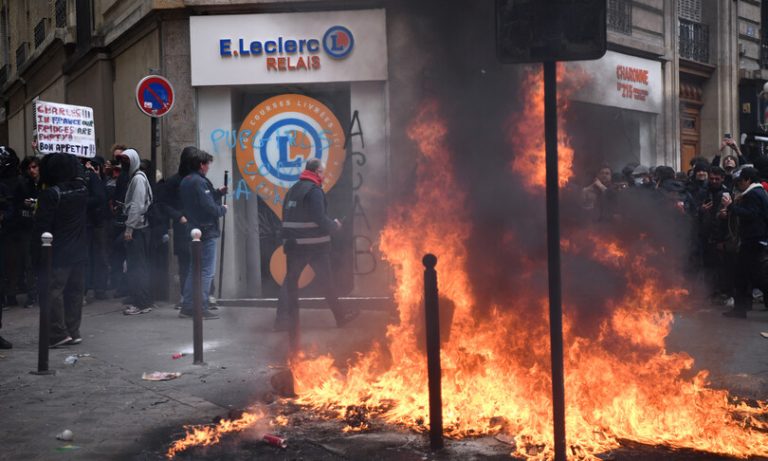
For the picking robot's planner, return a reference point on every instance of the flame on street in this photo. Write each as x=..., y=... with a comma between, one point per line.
x=621, y=382
x=207, y=435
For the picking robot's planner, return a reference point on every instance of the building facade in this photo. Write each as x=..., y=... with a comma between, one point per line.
x=262, y=83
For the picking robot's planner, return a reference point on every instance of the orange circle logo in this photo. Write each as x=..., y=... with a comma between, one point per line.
x=278, y=137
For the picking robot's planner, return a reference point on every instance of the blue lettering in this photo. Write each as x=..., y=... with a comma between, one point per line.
x=242, y=188
x=243, y=137
x=270, y=44
x=335, y=46
x=243, y=51
x=282, y=144
x=313, y=46
x=290, y=46
x=256, y=48
x=247, y=169
x=224, y=47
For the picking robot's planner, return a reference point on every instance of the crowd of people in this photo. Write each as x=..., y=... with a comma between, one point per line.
x=109, y=220
x=721, y=210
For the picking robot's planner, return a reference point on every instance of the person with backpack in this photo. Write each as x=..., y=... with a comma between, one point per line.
x=62, y=211
x=138, y=199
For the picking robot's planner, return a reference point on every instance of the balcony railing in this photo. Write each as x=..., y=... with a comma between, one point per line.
x=620, y=16
x=40, y=32
x=3, y=75
x=694, y=41
x=21, y=54
x=61, y=13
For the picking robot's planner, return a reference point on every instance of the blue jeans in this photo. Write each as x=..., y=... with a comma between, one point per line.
x=208, y=264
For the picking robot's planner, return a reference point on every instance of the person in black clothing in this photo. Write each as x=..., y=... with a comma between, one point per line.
x=8, y=167
x=25, y=202
x=307, y=235
x=713, y=235
x=62, y=211
x=97, y=228
x=116, y=189
x=11, y=234
x=170, y=201
x=750, y=207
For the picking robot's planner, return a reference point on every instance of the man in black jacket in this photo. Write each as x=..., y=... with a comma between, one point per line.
x=25, y=201
x=307, y=234
x=751, y=209
x=202, y=209
x=62, y=211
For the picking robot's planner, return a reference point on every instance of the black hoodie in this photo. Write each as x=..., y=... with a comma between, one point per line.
x=62, y=209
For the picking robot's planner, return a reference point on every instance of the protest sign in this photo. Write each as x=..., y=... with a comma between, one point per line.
x=65, y=128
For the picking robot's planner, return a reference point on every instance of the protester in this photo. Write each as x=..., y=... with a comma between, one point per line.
x=62, y=211
x=714, y=237
x=12, y=257
x=138, y=199
x=307, y=235
x=116, y=186
x=750, y=207
x=25, y=202
x=202, y=209
x=593, y=197
x=171, y=203
x=8, y=168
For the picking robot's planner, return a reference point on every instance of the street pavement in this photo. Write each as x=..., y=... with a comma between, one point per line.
x=114, y=414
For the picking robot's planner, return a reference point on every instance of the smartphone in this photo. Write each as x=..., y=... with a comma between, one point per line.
x=727, y=135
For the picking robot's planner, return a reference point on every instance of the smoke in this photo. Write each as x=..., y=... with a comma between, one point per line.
x=507, y=245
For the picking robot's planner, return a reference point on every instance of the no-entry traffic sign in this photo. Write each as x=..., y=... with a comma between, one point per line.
x=154, y=95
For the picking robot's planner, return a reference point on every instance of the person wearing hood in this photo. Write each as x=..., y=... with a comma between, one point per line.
x=62, y=210
x=750, y=207
x=9, y=166
x=138, y=199
x=98, y=218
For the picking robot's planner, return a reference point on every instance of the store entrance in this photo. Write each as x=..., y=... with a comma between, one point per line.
x=257, y=219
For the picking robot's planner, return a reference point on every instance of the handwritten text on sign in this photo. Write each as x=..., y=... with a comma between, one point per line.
x=65, y=128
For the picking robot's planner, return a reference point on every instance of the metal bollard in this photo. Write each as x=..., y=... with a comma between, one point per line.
x=432, y=308
x=197, y=296
x=45, y=308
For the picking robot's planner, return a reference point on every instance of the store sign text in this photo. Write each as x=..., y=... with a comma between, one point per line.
x=291, y=54
x=631, y=81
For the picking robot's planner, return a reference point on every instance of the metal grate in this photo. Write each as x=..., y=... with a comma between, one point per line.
x=764, y=55
x=61, y=13
x=694, y=41
x=3, y=74
x=21, y=54
x=620, y=16
x=689, y=9
x=40, y=32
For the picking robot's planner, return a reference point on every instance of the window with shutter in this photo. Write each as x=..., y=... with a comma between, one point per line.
x=689, y=9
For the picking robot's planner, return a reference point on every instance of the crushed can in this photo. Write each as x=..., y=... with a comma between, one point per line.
x=275, y=441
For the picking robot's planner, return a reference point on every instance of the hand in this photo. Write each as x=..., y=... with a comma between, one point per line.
x=183, y=220
x=338, y=224
x=726, y=201
x=128, y=236
x=226, y=207
x=706, y=206
x=224, y=190
x=680, y=205
x=28, y=202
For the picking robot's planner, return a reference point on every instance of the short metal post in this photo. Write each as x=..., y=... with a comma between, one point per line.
x=432, y=309
x=197, y=296
x=45, y=307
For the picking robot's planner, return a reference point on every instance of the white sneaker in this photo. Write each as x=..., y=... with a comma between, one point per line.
x=133, y=310
x=212, y=300
x=729, y=303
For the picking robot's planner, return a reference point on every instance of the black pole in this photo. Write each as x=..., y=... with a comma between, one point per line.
x=197, y=296
x=45, y=308
x=432, y=309
x=153, y=141
x=223, y=235
x=553, y=263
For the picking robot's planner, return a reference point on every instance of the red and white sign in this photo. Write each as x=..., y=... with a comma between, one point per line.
x=154, y=95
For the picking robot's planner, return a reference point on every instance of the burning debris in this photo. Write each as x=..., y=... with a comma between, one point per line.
x=621, y=382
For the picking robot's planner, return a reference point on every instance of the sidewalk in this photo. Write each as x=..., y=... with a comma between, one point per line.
x=114, y=414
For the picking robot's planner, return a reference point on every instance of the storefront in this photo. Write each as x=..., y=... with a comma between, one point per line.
x=273, y=90
x=614, y=117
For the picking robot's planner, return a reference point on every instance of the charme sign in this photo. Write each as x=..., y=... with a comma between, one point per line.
x=288, y=47
x=622, y=81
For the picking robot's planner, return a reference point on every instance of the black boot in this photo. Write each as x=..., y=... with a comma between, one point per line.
x=10, y=300
x=5, y=344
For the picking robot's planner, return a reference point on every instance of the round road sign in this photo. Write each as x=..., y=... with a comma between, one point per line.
x=154, y=95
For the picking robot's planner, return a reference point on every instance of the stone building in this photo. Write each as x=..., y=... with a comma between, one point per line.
x=667, y=90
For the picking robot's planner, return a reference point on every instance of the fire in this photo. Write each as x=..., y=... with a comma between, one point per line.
x=526, y=129
x=206, y=435
x=621, y=382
